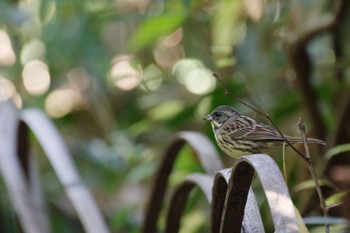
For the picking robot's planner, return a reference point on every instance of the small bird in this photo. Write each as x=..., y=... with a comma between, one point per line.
x=239, y=135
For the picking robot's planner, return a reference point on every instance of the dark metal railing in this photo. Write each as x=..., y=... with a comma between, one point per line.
x=228, y=191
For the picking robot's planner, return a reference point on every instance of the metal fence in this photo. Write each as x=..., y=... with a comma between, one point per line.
x=228, y=191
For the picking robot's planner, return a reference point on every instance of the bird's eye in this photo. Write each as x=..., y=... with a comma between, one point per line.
x=217, y=114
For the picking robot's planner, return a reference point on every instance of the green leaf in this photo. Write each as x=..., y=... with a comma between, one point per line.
x=337, y=150
x=152, y=28
x=335, y=198
x=307, y=184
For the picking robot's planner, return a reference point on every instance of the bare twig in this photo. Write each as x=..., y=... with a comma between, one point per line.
x=229, y=93
x=301, y=127
x=334, y=205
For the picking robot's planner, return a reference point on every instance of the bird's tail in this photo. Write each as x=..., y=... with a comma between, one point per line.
x=309, y=140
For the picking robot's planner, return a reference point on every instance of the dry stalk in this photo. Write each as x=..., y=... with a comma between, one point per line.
x=301, y=126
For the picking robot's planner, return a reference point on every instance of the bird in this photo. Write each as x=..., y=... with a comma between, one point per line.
x=239, y=135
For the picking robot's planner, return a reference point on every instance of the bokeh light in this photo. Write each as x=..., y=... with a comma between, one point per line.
x=194, y=76
x=61, y=102
x=174, y=38
x=17, y=99
x=7, y=56
x=36, y=77
x=169, y=50
x=125, y=73
x=183, y=67
x=152, y=78
x=8, y=91
x=200, y=81
x=254, y=9
x=33, y=50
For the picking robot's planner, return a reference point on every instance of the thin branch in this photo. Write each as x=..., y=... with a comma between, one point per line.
x=334, y=205
x=229, y=93
x=301, y=127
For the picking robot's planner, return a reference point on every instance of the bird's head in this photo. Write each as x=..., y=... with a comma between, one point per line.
x=220, y=115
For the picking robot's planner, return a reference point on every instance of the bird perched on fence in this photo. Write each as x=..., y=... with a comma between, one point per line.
x=239, y=135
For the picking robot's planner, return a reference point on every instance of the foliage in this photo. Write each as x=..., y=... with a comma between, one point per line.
x=124, y=76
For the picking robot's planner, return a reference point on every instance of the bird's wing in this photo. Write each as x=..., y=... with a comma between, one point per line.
x=264, y=132
x=246, y=128
x=239, y=128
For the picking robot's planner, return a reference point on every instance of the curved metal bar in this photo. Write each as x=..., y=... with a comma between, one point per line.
x=252, y=221
x=207, y=156
x=219, y=196
x=204, y=182
x=180, y=196
x=276, y=191
x=236, y=197
x=61, y=161
x=251, y=216
x=205, y=151
x=12, y=171
x=30, y=167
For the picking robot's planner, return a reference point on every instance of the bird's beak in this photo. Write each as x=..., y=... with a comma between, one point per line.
x=208, y=117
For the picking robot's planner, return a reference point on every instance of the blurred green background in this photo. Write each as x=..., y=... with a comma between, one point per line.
x=121, y=77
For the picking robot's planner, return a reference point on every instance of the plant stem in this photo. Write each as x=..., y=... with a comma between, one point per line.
x=301, y=127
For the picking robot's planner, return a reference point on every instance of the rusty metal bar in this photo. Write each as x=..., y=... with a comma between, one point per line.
x=61, y=161
x=180, y=196
x=207, y=156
